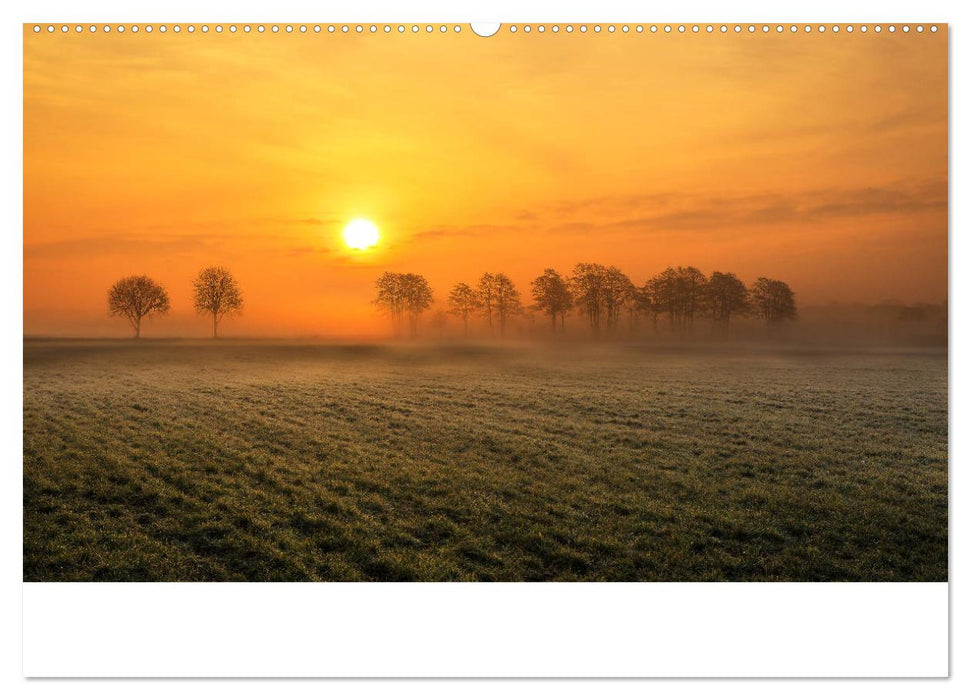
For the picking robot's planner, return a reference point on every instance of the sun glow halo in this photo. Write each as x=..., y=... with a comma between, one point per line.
x=360, y=234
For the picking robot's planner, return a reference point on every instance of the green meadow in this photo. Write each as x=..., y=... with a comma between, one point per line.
x=275, y=461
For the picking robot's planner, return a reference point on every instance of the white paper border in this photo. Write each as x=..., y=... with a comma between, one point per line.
x=510, y=630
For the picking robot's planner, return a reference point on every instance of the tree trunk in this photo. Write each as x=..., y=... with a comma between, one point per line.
x=138, y=327
x=214, y=325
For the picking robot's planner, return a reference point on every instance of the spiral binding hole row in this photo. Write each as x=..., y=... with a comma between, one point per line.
x=513, y=28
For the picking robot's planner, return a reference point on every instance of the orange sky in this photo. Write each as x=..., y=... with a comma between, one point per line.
x=819, y=159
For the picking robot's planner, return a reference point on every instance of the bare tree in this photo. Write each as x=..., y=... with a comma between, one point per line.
x=506, y=300
x=692, y=294
x=587, y=285
x=727, y=296
x=403, y=293
x=217, y=294
x=418, y=298
x=664, y=290
x=774, y=301
x=487, y=296
x=391, y=298
x=603, y=294
x=632, y=306
x=648, y=300
x=552, y=296
x=498, y=298
x=463, y=301
x=135, y=298
x=618, y=291
x=681, y=294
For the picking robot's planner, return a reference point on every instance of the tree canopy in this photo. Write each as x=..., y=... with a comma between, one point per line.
x=726, y=296
x=463, y=301
x=603, y=294
x=135, y=298
x=552, y=296
x=403, y=296
x=216, y=293
x=773, y=300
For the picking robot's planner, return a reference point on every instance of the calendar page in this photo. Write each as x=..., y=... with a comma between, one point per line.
x=645, y=316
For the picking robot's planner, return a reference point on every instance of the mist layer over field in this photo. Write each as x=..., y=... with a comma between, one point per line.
x=211, y=461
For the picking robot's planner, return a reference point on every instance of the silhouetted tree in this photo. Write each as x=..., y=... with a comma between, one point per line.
x=647, y=298
x=403, y=293
x=506, y=300
x=618, y=291
x=774, y=301
x=487, y=296
x=391, y=297
x=587, y=285
x=632, y=306
x=679, y=293
x=552, y=296
x=463, y=301
x=216, y=294
x=664, y=294
x=727, y=296
x=135, y=298
x=418, y=297
x=498, y=299
x=692, y=293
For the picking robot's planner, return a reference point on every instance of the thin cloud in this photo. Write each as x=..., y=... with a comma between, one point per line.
x=97, y=246
x=727, y=211
x=477, y=230
x=670, y=212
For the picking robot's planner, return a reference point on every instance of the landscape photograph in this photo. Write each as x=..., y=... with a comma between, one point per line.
x=404, y=303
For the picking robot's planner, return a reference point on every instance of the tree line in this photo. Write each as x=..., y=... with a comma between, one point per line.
x=603, y=295
x=215, y=294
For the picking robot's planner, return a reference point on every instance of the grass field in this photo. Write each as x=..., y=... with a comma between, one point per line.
x=258, y=461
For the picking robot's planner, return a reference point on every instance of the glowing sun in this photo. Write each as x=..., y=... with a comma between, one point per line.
x=360, y=234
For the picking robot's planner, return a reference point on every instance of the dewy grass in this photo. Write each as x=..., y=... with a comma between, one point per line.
x=260, y=461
